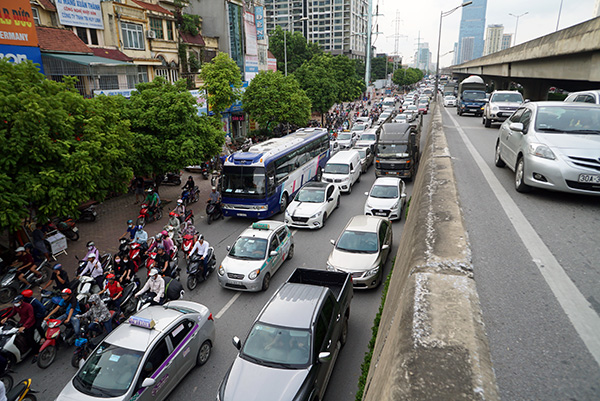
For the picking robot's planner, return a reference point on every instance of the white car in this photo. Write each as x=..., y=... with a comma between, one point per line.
x=367, y=139
x=387, y=198
x=450, y=101
x=256, y=255
x=401, y=118
x=346, y=139
x=312, y=205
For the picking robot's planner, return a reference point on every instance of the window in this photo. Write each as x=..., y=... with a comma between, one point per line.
x=274, y=244
x=585, y=99
x=180, y=332
x=36, y=15
x=109, y=82
x=82, y=33
x=142, y=73
x=329, y=192
x=132, y=36
x=158, y=355
x=169, y=30
x=93, y=37
x=516, y=116
x=526, y=119
x=382, y=233
x=156, y=25
x=282, y=234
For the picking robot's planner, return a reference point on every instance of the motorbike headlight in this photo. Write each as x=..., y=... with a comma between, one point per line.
x=314, y=216
x=221, y=270
x=541, y=150
x=254, y=274
x=372, y=272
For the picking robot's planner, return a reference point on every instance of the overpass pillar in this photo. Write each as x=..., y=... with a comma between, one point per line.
x=535, y=90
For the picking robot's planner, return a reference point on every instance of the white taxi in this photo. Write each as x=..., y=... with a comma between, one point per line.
x=256, y=255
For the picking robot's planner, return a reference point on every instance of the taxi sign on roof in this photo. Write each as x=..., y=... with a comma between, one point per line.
x=260, y=226
x=141, y=322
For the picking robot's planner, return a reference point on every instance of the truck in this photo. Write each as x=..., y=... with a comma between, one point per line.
x=397, y=151
x=450, y=89
x=471, y=96
x=292, y=346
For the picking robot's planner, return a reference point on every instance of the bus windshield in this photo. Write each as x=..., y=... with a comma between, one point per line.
x=242, y=180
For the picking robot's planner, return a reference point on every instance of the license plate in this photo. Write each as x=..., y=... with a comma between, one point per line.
x=75, y=229
x=590, y=178
x=380, y=214
x=242, y=214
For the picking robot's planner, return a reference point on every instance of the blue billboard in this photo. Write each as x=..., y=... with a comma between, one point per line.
x=18, y=54
x=260, y=22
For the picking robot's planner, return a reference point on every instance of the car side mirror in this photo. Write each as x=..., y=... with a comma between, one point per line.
x=332, y=241
x=352, y=171
x=366, y=194
x=228, y=248
x=324, y=357
x=273, y=253
x=403, y=196
x=148, y=382
x=386, y=246
x=516, y=127
x=237, y=343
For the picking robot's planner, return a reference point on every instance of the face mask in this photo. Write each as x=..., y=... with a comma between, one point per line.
x=90, y=248
x=117, y=260
x=131, y=225
x=17, y=305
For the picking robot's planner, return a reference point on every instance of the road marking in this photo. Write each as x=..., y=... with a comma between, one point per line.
x=228, y=305
x=294, y=232
x=579, y=311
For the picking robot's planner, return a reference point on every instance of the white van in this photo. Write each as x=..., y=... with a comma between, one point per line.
x=343, y=169
x=389, y=102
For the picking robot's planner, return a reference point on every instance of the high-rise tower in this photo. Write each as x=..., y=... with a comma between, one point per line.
x=472, y=27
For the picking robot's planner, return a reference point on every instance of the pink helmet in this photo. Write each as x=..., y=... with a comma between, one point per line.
x=164, y=233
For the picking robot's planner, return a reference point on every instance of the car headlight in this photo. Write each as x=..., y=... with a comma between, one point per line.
x=541, y=150
x=372, y=272
x=314, y=216
x=494, y=109
x=254, y=274
x=287, y=214
x=330, y=268
x=369, y=206
x=395, y=205
x=221, y=270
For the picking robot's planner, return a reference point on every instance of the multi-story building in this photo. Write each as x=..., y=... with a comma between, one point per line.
x=597, y=9
x=423, y=58
x=493, y=39
x=472, y=26
x=338, y=26
x=506, y=41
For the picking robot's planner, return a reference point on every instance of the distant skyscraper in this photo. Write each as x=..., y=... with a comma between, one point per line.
x=455, y=54
x=493, y=39
x=597, y=9
x=506, y=41
x=423, y=57
x=472, y=27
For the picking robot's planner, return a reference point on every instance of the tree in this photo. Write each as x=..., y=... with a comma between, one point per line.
x=406, y=77
x=222, y=82
x=298, y=49
x=350, y=83
x=168, y=132
x=58, y=149
x=272, y=98
x=379, y=67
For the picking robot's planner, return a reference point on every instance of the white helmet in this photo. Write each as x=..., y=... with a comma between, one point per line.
x=179, y=201
x=153, y=272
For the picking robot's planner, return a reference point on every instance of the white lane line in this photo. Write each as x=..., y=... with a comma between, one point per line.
x=228, y=305
x=579, y=311
x=294, y=232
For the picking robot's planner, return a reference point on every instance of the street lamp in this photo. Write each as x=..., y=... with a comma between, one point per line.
x=437, y=66
x=285, y=42
x=517, y=25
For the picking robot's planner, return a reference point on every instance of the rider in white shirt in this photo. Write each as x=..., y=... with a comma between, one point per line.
x=201, y=248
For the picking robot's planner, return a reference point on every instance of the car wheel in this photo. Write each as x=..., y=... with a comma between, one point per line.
x=498, y=162
x=266, y=282
x=488, y=122
x=284, y=203
x=483, y=120
x=291, y=252
x=203, y=353
x=349, y=188
x=324, y=220
x=338, y=202
x=520, y=185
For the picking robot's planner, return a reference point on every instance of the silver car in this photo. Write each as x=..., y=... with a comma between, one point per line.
x=552, y=145
x=362, y=250
x=146, y=358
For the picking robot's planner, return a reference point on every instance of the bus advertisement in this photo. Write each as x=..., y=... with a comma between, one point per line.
x=261, y=181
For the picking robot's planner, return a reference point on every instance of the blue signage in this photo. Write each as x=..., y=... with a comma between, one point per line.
x=18, y=54
x=260, y=22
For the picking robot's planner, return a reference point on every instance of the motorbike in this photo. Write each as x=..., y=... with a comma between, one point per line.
x=173, y=291
x=188, y=196
x=204, y=171
x=146, y=216
x=173, y=178
x=66, y=226
x=86, y=287
x=188, y=243
x=87, y=211
x=84, y=345
x=214, y=180
x=173, y=269
x=6, y=378
x=21, y=392
x=195, y=268
x=11, y=285
x=128, y=303
x=54, y=337
x=13, y=345
x=213, y=212
x=173, y=234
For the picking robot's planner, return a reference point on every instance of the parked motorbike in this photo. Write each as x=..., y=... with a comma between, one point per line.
x=66, y=226
x=173, y=178
x=87, y=211
x=195, y=268
x=21, y=392
x=204, y=171
x=213, y=212
x=146, y=216
x=11, y=285
x=214, y=180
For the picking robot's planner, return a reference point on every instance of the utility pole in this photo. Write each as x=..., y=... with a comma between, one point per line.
x=397, y=35
x=369, y=31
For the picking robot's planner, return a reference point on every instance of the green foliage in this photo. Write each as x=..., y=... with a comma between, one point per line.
x=168, y=133
x=222, y=81
x=350, y=84
x=364, y=367
x=272, y=98
x=182, y=51
x=298, y=49
x=194, y=62
x=189, y=24
x=58, y=149
x=378, y=68
x=406, y=77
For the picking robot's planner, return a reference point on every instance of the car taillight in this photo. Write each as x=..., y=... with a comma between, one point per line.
x=210, y=317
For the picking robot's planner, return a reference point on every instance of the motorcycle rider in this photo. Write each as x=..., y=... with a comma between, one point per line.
x=152, y=200
x=131, y=230
x=215, y=198
x=115, y=290
x=27, y=322
x=59, y=276
x=190, y=185
x=176, y=224
x=25, y=262
x=95, y=270
x=141, y=237
x=70, y=315
x=180, y=210
x=156, y=286
x=39, y=310
x=201, y=247
x=99, y=314
x=162, y=239
x=162, y=260
x=123, y=269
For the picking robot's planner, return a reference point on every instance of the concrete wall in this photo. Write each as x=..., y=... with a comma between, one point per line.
x=431, y=343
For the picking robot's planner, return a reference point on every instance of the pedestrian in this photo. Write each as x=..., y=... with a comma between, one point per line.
x=139, y=189
x=39, y=240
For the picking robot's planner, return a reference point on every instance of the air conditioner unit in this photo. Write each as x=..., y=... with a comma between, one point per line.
x=151, y=34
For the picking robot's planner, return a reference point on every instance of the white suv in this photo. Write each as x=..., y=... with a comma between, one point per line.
x=501, y=106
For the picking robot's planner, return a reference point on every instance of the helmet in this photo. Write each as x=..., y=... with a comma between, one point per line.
x=179, y=201
x=91, y=256
x=90, y=243
x=18, y=299
x=201, y=236
x=160, y=247
x=140, y=227
x=153, y=272
x=158, y=236
x=214, y=188
x=57, y=266
x=129, y=221
x=164, y=233
x=20, y=249
x=28, y=246
x=27, y=293
x=149, y=190
x=110, y=276
x=66, y=291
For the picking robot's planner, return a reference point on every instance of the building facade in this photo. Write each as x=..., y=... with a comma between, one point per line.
x=506, y=41
x=493, y=39
x=472, y=27
x=338, y=26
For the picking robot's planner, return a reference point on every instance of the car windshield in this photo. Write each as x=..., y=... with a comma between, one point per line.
x=344, y=136
x=392, y=150
x=450, y=98
x=384, y=192
x=507, y=97
x=358, y=127
x=570, y=120
x=357, y=242
x=362, y=152
x=277, y=346
x=311, y=195
x=243, y=181
x=108, y=372
x=331, y=168
x=368, y=137
x=473, y=95
x=249, y=248
x=412, y=107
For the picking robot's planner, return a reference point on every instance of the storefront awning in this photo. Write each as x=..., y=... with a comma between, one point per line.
x=85, y=59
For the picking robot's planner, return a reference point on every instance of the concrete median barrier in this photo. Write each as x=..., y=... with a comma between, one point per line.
x=431, y=343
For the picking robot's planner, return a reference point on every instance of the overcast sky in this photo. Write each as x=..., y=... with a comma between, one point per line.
x=424, y=15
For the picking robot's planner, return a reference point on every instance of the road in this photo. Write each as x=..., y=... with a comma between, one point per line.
x=536, y=326
x=234, y=312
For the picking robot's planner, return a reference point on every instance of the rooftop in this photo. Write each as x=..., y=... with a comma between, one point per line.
x=60, y=40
